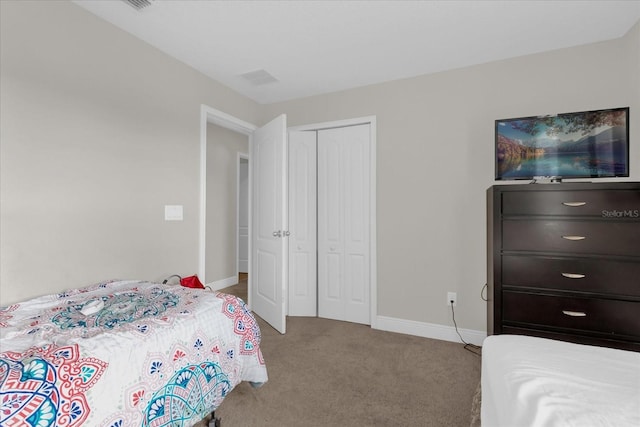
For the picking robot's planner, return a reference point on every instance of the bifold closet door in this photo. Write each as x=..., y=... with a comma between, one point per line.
x=303, y=287
x=343, y=223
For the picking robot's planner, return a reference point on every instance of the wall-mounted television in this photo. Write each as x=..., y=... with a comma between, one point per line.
x=586, y=144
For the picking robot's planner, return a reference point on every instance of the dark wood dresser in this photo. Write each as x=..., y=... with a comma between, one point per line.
x=564, y=262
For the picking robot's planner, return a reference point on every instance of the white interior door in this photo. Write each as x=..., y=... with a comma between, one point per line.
x=344, y=223
x=268, y=276
x=302, y=224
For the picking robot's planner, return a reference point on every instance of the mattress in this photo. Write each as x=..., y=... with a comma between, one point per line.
x=124, y=353
x=529, y=381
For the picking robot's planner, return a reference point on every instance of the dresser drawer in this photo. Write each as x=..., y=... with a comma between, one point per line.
x=599, y=275
x=607, y=204
x=609, y=317
x=580, y=237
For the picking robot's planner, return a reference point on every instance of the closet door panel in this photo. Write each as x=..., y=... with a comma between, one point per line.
x=330, y=226
x=343, y=223
x=302, y=224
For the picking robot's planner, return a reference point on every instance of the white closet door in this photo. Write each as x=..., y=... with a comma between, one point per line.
x=302, y=224
x=344, y=224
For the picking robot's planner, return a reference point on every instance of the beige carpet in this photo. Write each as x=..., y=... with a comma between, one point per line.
x=330, y=373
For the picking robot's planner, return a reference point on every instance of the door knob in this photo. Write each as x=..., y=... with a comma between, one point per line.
x=277, y=233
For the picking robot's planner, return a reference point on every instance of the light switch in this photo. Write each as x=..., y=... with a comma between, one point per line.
x=173, y=212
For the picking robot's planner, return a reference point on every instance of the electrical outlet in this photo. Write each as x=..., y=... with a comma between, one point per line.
x=452, y=296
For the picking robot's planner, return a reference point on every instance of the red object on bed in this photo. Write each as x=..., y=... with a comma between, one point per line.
x=191, y=282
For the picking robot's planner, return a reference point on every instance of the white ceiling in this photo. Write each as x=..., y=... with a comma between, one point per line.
x=315, y=47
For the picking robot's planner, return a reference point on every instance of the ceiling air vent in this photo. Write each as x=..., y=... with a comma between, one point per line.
x=138, y=4
x=259, y=77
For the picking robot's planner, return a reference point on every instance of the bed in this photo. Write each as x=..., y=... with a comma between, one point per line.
x=530, y=381
x=124, y=353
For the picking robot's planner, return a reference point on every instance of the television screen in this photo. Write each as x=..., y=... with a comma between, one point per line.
x=587, y=144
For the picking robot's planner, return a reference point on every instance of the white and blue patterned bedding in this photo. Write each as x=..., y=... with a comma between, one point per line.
x=146, y=355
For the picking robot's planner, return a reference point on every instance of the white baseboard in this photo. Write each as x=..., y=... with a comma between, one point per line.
x=224, y=283
x=429, y=330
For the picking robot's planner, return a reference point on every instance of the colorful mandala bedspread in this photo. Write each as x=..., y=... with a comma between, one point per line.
x=122, y=354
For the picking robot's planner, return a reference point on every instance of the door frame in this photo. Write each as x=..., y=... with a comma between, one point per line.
x=222, y=119
x=373, y=262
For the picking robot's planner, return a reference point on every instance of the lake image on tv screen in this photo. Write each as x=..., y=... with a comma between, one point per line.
x=571, y=145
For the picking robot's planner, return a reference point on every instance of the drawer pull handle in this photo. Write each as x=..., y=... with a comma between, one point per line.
x=573, y=275
x=574, y=204
x=574, y=313
x=574, y=238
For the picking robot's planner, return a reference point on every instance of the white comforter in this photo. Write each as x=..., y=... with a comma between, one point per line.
x=122, y=354
x=529, y=381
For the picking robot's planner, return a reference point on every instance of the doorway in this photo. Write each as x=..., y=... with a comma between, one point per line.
x=267, y=182
x=240, y=129
x=242, y=211
x=225, y=207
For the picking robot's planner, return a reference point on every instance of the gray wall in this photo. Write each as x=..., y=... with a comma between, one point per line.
x=98, y=132
x=223, y=146
x=435, y=145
